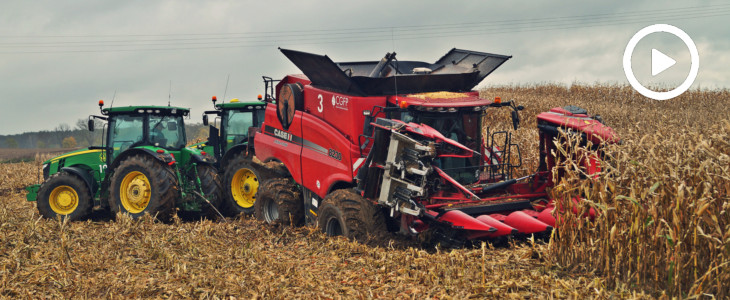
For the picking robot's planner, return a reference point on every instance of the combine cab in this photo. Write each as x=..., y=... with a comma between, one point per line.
x=401, y=146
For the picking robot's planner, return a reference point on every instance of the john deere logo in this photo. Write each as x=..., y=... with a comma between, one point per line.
x=102, y=156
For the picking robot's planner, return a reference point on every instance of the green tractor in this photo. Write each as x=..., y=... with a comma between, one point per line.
x=232, y=145
x=143, y=166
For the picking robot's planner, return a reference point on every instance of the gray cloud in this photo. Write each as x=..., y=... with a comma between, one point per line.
x=138, y=47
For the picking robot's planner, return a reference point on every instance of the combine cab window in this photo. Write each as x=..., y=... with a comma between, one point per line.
x=463, y=128
x=125, y=131
x=237, y=127
x=167, y=131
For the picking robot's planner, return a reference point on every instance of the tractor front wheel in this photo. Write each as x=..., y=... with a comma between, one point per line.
x=242, y=181
x=279, y=201
x=346, y=213
x=65, y=195
x=142, y=185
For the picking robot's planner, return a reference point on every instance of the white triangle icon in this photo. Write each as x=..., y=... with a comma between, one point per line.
x=660, y=62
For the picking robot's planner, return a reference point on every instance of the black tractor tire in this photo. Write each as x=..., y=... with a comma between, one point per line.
x=65, y=195
x=212, y=190
x=280, y=201
x=242, y=181
x=346, y=213
x=142, y=174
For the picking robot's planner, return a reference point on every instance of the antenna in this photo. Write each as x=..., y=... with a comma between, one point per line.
x=226, y=90
x=113, y=97
x=169, y=94
x=395, y=74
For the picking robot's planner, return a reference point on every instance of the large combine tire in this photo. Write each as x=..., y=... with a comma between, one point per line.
x=346, y=213
x=242, y=180
x=212, y=190
x=279, y=201
x=64, y=195
x=142, y=185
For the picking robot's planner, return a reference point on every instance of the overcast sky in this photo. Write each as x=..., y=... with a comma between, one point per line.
x=58, y=58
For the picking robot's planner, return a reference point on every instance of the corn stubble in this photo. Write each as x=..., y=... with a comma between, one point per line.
x=662, y=228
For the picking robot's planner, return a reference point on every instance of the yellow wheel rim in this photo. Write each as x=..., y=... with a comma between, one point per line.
x=63, y=200
x=243, y=187
x=135, y=192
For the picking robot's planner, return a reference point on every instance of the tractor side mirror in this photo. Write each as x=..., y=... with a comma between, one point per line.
x=515, y=119
x=205, y=120
x=91, y=125
x=172, y=126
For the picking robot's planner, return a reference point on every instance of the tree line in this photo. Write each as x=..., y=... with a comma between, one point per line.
x=78, y=136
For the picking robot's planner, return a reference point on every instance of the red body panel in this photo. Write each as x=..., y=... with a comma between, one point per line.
x=344, y=112
x=269, y=147
x=325, y=156
x=594, y=130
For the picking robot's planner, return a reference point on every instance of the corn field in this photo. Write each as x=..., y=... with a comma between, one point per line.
x=662, y=228
x=663, y=215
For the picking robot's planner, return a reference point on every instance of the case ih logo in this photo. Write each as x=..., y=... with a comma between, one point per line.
x=340, y=102
x=282, y=134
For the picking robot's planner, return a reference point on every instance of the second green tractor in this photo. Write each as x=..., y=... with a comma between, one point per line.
x=231, y=142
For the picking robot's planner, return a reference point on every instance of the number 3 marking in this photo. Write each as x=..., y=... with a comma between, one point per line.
x=320, y=107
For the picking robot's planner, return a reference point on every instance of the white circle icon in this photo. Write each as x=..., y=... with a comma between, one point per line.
x=694, y=55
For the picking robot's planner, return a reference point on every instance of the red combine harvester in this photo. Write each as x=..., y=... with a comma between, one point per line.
x=400, y=146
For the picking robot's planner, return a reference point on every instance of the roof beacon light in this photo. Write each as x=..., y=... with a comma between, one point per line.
x=259, y=97
x=101, y=103
x=497, y=100
x=403, y=104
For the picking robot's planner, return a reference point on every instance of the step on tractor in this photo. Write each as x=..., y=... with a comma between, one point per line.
x=142, y=167
x=373, y=147
x=231, y=144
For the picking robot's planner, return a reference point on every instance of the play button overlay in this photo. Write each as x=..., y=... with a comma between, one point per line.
x=660, y=62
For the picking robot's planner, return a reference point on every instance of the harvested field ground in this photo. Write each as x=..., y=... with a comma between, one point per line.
x=244, y=259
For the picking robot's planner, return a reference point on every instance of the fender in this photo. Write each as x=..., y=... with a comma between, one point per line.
x=165, y=158
x=282, y=170
x=200, y=159
x=91, y=184
x=197, y=156
x=340, y=185
x=235, y=150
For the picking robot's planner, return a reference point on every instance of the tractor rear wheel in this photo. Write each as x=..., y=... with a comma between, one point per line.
x=242, y=181
x=211, y=187
x=346, y=213
x=280, y=201
x=64, y=195
x=142, y=185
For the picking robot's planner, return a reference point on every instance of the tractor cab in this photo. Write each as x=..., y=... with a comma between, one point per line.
x=234, y=120
x=153, y=126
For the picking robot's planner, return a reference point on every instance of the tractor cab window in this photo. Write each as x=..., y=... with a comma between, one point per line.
x=237, y=126
x=166, y=131
x=124, y=132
